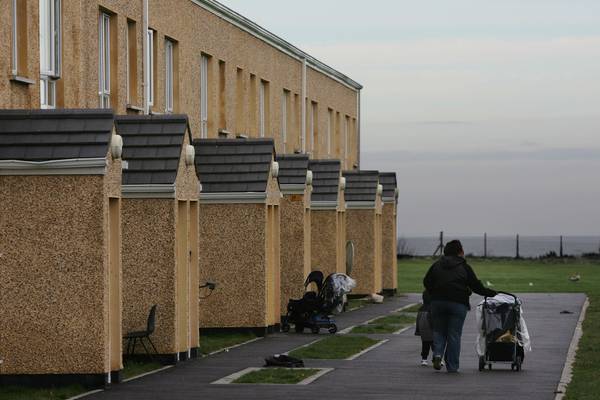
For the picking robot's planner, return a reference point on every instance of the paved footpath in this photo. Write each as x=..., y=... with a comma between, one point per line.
x=390, y=371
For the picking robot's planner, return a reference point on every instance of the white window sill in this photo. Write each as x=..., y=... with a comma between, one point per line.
x=22, y=80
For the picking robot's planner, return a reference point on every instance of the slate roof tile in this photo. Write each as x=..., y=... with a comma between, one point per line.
x=234, y=165
x=326, y=175
x=292, y=169
x=152, y=146
x=46, y=135
x=388, y=180
x=361, y=185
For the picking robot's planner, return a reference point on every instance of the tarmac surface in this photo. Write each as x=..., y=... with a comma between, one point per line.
x=390, y=371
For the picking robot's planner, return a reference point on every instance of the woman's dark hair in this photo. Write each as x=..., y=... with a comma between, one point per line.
x=453, y=248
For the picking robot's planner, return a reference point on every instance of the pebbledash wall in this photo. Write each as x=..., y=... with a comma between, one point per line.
x=226, y=73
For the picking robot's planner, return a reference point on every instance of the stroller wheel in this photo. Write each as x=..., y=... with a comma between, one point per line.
x=315, y=330
x=481, y=363
x=333, y=329
x=299, y=328
x=285, y=328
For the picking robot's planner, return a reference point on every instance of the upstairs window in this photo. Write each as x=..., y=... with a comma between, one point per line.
x=285, y=106
x=204, y=96
x=261, y=109
x=104, y=60
x=169, y=76
x=50, y=50
x=150, y=65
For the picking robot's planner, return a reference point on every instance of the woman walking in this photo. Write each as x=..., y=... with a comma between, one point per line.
x=450, y=281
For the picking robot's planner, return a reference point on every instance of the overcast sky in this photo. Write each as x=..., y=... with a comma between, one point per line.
x=489, y=111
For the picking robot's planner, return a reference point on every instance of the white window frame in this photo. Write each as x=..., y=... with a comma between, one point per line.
x=329, y=123
x=261, y=109
x=50, y=49
x=204, y=96
x=346, y=131
x=284, y=118
x=169, y=46
x=127, y=66
x=104, y=60
x=15, y=41
x=313, y=111
x=150, y=64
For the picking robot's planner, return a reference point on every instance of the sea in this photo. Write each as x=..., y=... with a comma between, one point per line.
x=504, y=246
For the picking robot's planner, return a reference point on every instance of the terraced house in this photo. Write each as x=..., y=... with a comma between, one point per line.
x=140, y=151
x=195, y=57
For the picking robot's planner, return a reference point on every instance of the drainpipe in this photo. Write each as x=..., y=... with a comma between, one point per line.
x=145, y=50
x=358, y=120
x=303, y=134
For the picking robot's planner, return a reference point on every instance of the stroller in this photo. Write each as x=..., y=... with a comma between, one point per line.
x=314, y=309
x=503, y=336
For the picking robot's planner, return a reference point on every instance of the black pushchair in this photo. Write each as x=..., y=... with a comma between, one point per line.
x=501, y=331
x=314, y=309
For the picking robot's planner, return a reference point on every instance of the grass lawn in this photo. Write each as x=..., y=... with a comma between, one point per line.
x=541, y=276
x=388, y=324
x=289, y=376
x=354, y=304
x=134, y=368
x=21, y=393
x=335, y=347
x=413, y=308
x=213, y=341
x=376, y=328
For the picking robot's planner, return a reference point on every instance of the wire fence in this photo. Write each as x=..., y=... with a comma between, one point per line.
x=504, y=246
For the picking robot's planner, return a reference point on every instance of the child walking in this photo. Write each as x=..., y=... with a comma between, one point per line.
x=425, y=328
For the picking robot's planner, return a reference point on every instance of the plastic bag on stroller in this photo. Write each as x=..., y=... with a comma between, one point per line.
x=494, y=322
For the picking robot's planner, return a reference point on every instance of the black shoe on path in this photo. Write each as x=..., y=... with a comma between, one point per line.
x=437, y=363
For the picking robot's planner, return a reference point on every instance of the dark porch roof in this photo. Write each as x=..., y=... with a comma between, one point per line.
x=361, y=185
x=234, y=165
x=49, y=135
x=326, y=179
x=152, y=147
x=292, y=169
x=388, y=180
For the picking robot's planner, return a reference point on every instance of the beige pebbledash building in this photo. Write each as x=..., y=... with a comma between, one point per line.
x=239, y=235
x=160, y=232
x=295, y=181
x=60, y=248
x=389, y=242
x=363, y=228
x=328, y=217
x=194, y=57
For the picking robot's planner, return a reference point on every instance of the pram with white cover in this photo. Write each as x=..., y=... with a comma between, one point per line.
x=502, y=333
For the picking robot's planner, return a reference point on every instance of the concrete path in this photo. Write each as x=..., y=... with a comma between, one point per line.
x=390, y=371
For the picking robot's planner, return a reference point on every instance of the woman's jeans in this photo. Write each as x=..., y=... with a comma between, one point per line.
x=448, y=319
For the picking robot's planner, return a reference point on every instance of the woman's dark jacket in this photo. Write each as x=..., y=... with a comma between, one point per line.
x=452, y=279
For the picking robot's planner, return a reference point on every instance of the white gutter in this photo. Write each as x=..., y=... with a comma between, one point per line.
x=292, y=188
x=148, y=191
x=259, y=32
x=145, y=65
x=388, y=199
x=233, y=198
x=323, y=205
x=76, y=166
x=304, y=96
x=360, y=205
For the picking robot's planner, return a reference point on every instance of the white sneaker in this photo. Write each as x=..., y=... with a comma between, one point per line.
x=423, y=363
x=442, y=364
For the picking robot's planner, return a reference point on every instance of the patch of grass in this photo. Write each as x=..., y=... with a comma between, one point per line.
x=289, y=376
x=214, y=341
x=376, y=328
x=134, y=368
x=24, y=393
x=413, y=309
x=537, y=276
x=356, y=303
x=395, y=319
x=335, y=347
